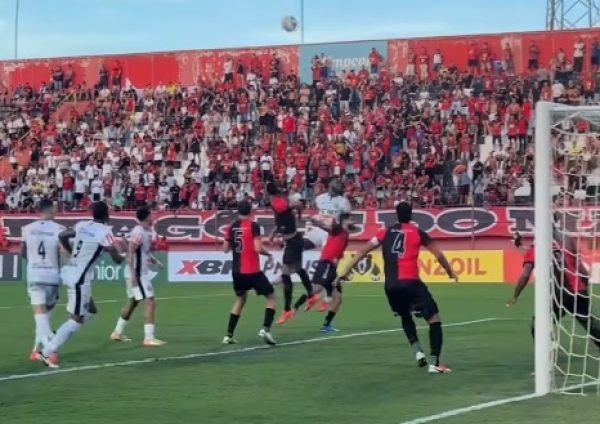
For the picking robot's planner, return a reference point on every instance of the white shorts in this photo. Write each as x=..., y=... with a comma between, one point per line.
x=79, y=298
x=144, y=290
x=43, y=294
x=316, y=235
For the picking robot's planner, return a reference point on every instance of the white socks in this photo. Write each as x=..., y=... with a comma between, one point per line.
x=43, y=332
x=149, y=331
x=120, y=327
x=63, y=334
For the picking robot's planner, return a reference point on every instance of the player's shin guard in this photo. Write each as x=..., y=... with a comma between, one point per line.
x=233, y=320
x=288, y=290
x=410, y=329
x=305, y=282
x=436, y=340
x=269, y=317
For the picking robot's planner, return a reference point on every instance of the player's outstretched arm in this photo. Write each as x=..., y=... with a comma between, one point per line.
x=521, y=283
x=441, y=258
x=319, y=224
x=64, y=237
x=358, y=256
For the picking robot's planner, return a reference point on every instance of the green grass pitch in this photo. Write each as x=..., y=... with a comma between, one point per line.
x=359, y=375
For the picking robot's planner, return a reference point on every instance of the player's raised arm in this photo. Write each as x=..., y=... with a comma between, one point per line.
x=439, y=255
x=64, y=237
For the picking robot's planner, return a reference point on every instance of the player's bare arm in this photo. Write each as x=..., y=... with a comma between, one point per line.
x=521, y=284
x=130, y=261
x=441, y=258
x=260, y=249
x=64, y=237
x=226, y=246
x=154, y=261
x=367, y=248
x=116, y=256
x=24, y=250
x=320, y=224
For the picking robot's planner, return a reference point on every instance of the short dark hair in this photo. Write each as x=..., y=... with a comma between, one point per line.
x=142, y=213
x=244, y=208
x=100, y=211
x=45, y=205
x=404, y=212
x=272, y=189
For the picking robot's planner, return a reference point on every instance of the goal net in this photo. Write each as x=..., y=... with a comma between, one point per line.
x=567, y=249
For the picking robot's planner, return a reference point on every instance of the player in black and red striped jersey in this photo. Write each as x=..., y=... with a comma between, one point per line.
x=406, y=293
x=244, y=241
x=285, y=224
x=571, y=283
x=325, y=274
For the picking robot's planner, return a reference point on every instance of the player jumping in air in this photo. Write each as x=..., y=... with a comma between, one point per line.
x=406, y=293
x=330, y=206
x=139, y=286
x=41, y=250
x=285, y=224
x=325, y=275
x=243, y=240
x=90, y=239
x=572, y=295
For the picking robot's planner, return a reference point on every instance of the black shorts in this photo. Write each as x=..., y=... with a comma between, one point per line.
x=292, y=253
x=325, y=275
x=257, y=282
x=411, y=296
x=78, y=196
x=576, y=304
x=472, y=63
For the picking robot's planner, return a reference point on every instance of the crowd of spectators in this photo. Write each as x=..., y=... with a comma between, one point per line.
x=433, y=133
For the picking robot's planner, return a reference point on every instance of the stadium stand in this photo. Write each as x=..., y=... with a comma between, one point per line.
x=434, y=134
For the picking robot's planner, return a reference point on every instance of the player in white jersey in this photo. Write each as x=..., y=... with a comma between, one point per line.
x=89, y=240
x=139, y=286
x=41, y=250
x=330, y=206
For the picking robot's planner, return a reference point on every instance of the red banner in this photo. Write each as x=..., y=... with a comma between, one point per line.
x=455, y=50
x=188, y=67
x=442, y=224
x=139, y=70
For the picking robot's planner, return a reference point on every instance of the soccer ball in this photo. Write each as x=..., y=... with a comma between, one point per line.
x=289, y=23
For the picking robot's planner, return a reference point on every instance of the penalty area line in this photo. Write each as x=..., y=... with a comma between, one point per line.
x=222, y=353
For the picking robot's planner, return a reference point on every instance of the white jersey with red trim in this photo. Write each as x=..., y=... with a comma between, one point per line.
x=90, y=238
x=43, y=251
x=141, y=239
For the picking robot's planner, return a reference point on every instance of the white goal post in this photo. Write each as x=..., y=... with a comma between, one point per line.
x=558, y=342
